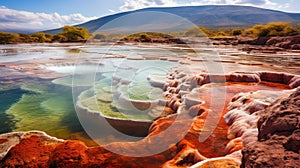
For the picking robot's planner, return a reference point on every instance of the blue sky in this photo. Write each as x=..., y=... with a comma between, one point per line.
x=32, y=15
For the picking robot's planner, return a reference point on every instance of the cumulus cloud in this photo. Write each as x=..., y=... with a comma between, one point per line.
x=16, y=20
x=111, y=11
x=252, y=2
x=138, y=4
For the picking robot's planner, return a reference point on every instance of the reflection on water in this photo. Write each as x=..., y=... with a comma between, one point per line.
x=46, y=105
x=41, y=105
x=7, y=121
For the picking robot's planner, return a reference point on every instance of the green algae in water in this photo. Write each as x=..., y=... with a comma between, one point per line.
x=8, y=98
x=65, y=81
x=106, y=94
x=107, y=109
x=71, y=81
x=34, y=87
x=142, y=91
x=48, y=107
x=102, y=99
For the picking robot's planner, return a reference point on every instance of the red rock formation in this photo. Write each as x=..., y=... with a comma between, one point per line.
x=256, y=77
x=278, y=142
x=284, y=42
x=221, y=162
x=186, y=125
x=11, y=139
x=34, y=152
x=243, y=77
x=288, y=42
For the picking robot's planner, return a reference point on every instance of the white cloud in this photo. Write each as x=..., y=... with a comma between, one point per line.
x=111, y=11
x=284, y=6
x=251, y=2
x=11, y=19
x=138, y=4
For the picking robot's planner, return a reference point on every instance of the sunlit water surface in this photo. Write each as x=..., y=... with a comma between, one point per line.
x=47, y=105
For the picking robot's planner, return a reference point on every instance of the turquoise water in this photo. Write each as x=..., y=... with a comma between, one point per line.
x=41, y=105
x=47, y=105
x=8, y=97
x=106, y=93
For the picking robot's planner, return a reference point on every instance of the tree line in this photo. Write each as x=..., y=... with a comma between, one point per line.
x=259, y=30
x=68, y=34
x=79, y=34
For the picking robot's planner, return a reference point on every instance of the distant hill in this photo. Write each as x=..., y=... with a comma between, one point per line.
x=211, y=16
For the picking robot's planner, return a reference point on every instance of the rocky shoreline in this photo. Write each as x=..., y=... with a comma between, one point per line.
x=261, y=44
x=245, y=105
x=227, y=121
x=278, y=143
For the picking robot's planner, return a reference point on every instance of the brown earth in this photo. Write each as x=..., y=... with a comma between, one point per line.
x=189, y=122
x=278, y=142
x=262, y=44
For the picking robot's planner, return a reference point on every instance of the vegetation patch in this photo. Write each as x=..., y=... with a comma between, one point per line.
x=80, y=34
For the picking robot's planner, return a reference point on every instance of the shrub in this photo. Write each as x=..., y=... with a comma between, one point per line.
x=146, y=36
x=237, y=32
x=25, y=38
x=41, y=37
x=59, y=38
x=73, y=33
x=272, y=29
x=221, y=34
x=100, y=36
x=6, y=38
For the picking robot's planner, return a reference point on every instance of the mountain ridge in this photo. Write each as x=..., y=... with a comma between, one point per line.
x=211, y=16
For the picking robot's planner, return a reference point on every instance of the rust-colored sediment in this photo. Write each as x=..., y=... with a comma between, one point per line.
x=33, y=152
x=3, y=141
x=278, y=142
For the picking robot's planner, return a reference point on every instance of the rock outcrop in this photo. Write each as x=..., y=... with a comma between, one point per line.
x=291, y=42
x=195, y=115
x=221, y=162
x=267, y=44
x=9, y=140
x=35, y=150
x=278, y=142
